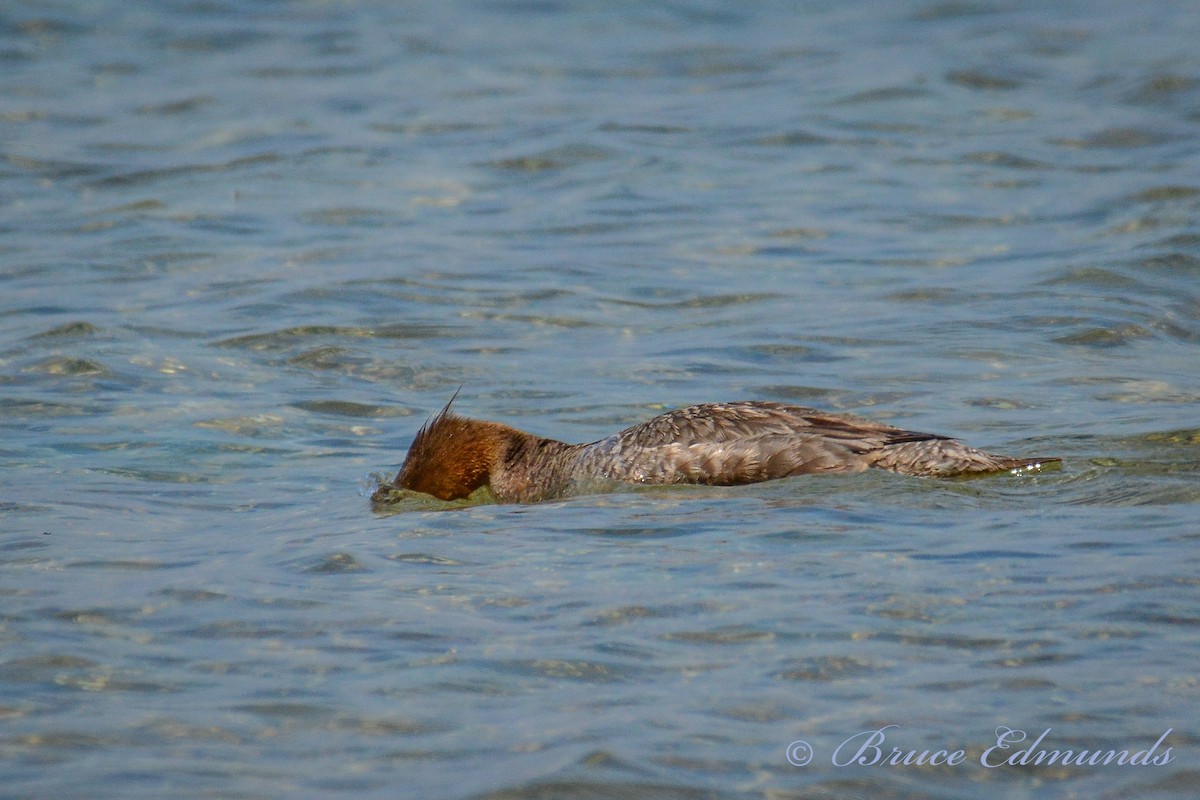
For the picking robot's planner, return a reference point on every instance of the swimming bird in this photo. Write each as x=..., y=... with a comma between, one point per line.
x=718, y=444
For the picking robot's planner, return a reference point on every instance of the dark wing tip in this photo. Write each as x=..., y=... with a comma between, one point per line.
x=903, y=437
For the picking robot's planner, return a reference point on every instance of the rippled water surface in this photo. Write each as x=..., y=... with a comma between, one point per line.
x=246, y=249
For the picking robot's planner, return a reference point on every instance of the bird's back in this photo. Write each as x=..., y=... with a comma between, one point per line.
x=744, y=442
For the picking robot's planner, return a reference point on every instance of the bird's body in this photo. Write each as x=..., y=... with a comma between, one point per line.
x=718, y=444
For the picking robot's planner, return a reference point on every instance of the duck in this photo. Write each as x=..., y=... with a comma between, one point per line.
x=715, y=444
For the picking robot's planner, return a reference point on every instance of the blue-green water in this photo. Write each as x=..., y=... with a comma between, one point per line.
x=245, y=249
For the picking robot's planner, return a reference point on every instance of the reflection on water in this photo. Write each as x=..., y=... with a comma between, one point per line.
x=247, y=251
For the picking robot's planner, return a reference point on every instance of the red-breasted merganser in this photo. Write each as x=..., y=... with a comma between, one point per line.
x=719, y=444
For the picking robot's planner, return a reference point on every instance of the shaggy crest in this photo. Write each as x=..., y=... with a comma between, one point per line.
x=450, y=456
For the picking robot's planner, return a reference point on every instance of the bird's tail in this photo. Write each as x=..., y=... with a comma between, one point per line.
x=948, y=457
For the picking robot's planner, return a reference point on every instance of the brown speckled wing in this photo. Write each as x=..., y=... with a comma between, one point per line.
x=721, y=422
x=730, y=422
x=735, y=443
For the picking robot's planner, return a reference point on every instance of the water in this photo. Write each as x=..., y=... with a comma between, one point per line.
x=247, y=249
